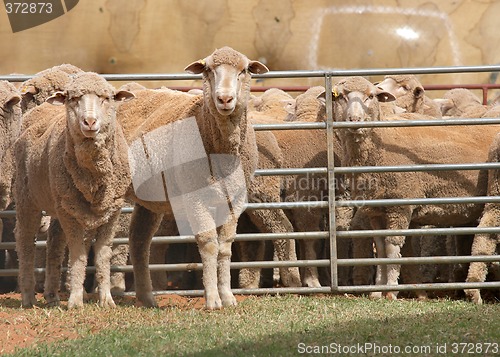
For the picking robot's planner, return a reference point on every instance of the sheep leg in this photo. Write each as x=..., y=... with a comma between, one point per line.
x=27, y=224
x=484, y=244
x=362, y=248
x=159, y=279
x=208, y=247
x=275, y=221
x=75, y=236
x=309, y=221
x=381, y=274
x=56, y=246
x=119, y=257
x=249, y=278
x=393, y=250
x=226, y=237
x=143, y=225
x=103, y=252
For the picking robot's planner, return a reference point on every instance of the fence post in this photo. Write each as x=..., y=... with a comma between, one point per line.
x=334, y=283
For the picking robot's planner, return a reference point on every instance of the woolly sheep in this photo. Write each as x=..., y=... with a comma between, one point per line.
x=461, y=103
x=220, y=115
x=78, y=153
x=486, y=244
x=35, y=91
x=410, y=95
x=396, y=146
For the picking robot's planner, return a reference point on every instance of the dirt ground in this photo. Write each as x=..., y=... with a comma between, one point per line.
x=25, y=327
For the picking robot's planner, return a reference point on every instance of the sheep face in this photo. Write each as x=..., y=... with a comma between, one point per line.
x=402, y=86
x=355, y=99
x=226, y=75
x=90, y=105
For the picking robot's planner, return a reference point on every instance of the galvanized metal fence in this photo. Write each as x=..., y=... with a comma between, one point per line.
x=333, y=263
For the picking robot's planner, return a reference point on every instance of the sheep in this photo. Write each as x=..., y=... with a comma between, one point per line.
x=461, y=103
x=220, y=115
x=410, y=95
x=79, y=154
x=486, y=244
x=357, y=100
x=273, y=101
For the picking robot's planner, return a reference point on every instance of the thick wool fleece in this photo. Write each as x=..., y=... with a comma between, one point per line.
x=463, y=103
x=45, y=83
x=308, y=107
x=10, y=116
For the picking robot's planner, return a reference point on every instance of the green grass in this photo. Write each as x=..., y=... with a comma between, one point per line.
x=278, y=326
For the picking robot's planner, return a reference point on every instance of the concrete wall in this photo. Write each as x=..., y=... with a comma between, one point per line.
x=145, y=36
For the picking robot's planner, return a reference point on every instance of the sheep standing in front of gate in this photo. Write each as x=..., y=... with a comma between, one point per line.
x=78, y=154
x=357, y=100
x=219, y=117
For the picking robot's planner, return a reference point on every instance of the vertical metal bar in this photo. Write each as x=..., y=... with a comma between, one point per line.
x=331, y=184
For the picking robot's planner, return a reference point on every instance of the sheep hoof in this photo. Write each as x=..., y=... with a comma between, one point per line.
x=291, y=278
x=228, y=300
x=213, y=302
x=52, y=299
x=311, y=282
x=75, y=303
x=106, y=301
x=391, y=296
x=28, y=300
x=474, y=295
x=376, y=295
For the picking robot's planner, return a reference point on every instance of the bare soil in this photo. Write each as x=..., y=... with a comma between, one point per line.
x=26, y=327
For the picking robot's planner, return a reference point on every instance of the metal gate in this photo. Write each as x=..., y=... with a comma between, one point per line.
x=331, y=170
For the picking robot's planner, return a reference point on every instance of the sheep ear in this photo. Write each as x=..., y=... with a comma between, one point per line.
x=58, y=98
x=384, y=96
x=335, y=94
x=444, y=104
x=257, y=67
x=196, y=67
x=29, y=89
x=13, y=101
x=418, y=92
x=124, y=96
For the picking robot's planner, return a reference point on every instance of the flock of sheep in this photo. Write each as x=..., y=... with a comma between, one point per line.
x=77, y=149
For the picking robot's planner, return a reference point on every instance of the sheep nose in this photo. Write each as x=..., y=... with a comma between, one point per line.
x=90, y=122
x=225, y=99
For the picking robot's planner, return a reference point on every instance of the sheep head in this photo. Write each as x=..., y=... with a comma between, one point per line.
x=407, y=89
x=226, y=75
x=36, y=90
x=90, y=104
x=356, y=99
x=457, y=101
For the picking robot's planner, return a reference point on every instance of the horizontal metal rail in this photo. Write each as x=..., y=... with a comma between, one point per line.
x=292, y=263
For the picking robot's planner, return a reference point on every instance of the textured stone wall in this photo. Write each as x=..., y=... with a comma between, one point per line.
x=134, y=36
